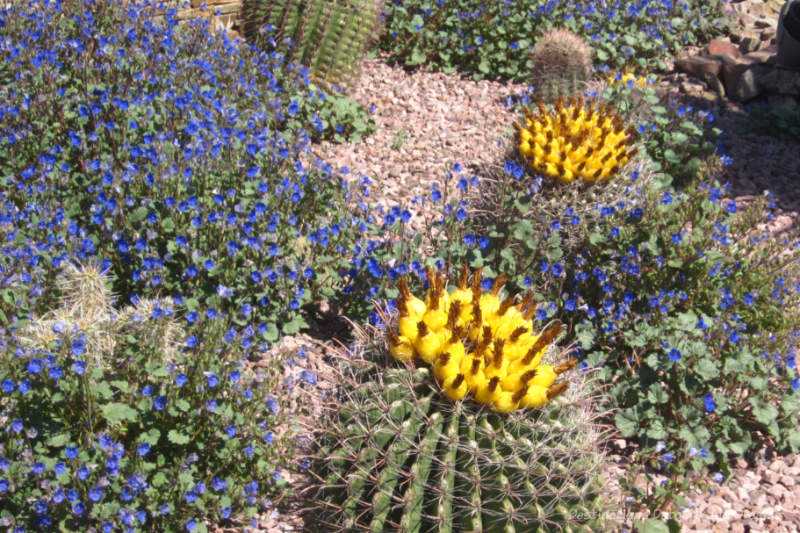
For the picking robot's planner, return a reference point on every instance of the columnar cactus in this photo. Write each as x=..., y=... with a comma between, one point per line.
x=575, y=142
x=395, y=454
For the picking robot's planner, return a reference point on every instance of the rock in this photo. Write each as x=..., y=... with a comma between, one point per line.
x=788, y=481
x=715, y=85
x=743, y=494
x=749, y=43
x=723, y=46
x=768, y=54
x=738, y=85
x=714, y=511
x=771, y=477
x=699, y=66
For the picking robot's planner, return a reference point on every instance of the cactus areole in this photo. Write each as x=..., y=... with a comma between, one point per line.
x=479, y=344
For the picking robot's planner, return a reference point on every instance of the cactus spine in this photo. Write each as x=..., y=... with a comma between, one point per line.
x=329, y=37
x=562, y=65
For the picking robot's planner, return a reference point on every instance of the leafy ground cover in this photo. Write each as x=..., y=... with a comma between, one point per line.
x=159, y=230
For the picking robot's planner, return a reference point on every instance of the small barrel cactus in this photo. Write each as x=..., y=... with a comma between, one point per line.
x=562, y=65
x=395, y=454
x=575, y=142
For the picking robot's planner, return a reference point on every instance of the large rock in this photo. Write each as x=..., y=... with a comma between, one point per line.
x=699, y=66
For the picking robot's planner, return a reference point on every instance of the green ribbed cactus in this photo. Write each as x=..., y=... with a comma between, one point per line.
x=562, y=65
x=329, y=37
x=396, y=455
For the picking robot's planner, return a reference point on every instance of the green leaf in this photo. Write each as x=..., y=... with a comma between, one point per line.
x=57, y=441
x=687, y=321
x=595, y=238
x=103, y=389
x=585, y=334
x=272, y=333
x=151, y=437
x=176, y=437
x=116, y=412
x=627, y=421
x=653, y=525
x=122, y=386
x=139, y=214
x=656, y=430
x=657, y=393
x=764, y=412
x=671, y=156
x=183, y=405
x=418, y=57
x=159, y=479
x=706, y=368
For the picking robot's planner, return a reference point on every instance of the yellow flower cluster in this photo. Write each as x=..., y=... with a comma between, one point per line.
x=575, y=142
x=626, y=77
x=477, y=343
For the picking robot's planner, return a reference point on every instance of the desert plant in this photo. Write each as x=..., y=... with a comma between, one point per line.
x=110, y=423
x=395, y=454
x=575, y=142
x=562, y=65
x=329, y=37
x=197, y=193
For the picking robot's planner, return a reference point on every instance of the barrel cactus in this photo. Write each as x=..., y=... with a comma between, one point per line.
x=396, y=454
x=575, y=142
x=562, y=65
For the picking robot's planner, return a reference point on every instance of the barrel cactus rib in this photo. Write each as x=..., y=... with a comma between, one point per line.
x=413, y=499
x=393, y=466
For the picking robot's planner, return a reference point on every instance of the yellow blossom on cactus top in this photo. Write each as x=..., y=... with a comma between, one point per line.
x=575, y=142
x=478, y=343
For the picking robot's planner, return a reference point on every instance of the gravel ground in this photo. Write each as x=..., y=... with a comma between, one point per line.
x=428, y=121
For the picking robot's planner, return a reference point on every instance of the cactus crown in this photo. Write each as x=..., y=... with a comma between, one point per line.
x=562, y=65
x=576, y=141
x=477, y=343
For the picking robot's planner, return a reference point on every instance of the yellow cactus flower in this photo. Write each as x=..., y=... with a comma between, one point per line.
x=455, y=388
x=534, y=396
x=504, y=402
x=427, y=344
x=400, y=347
x=446, y=366
x=479, y=342
x=485, y=393
x=575, y=142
